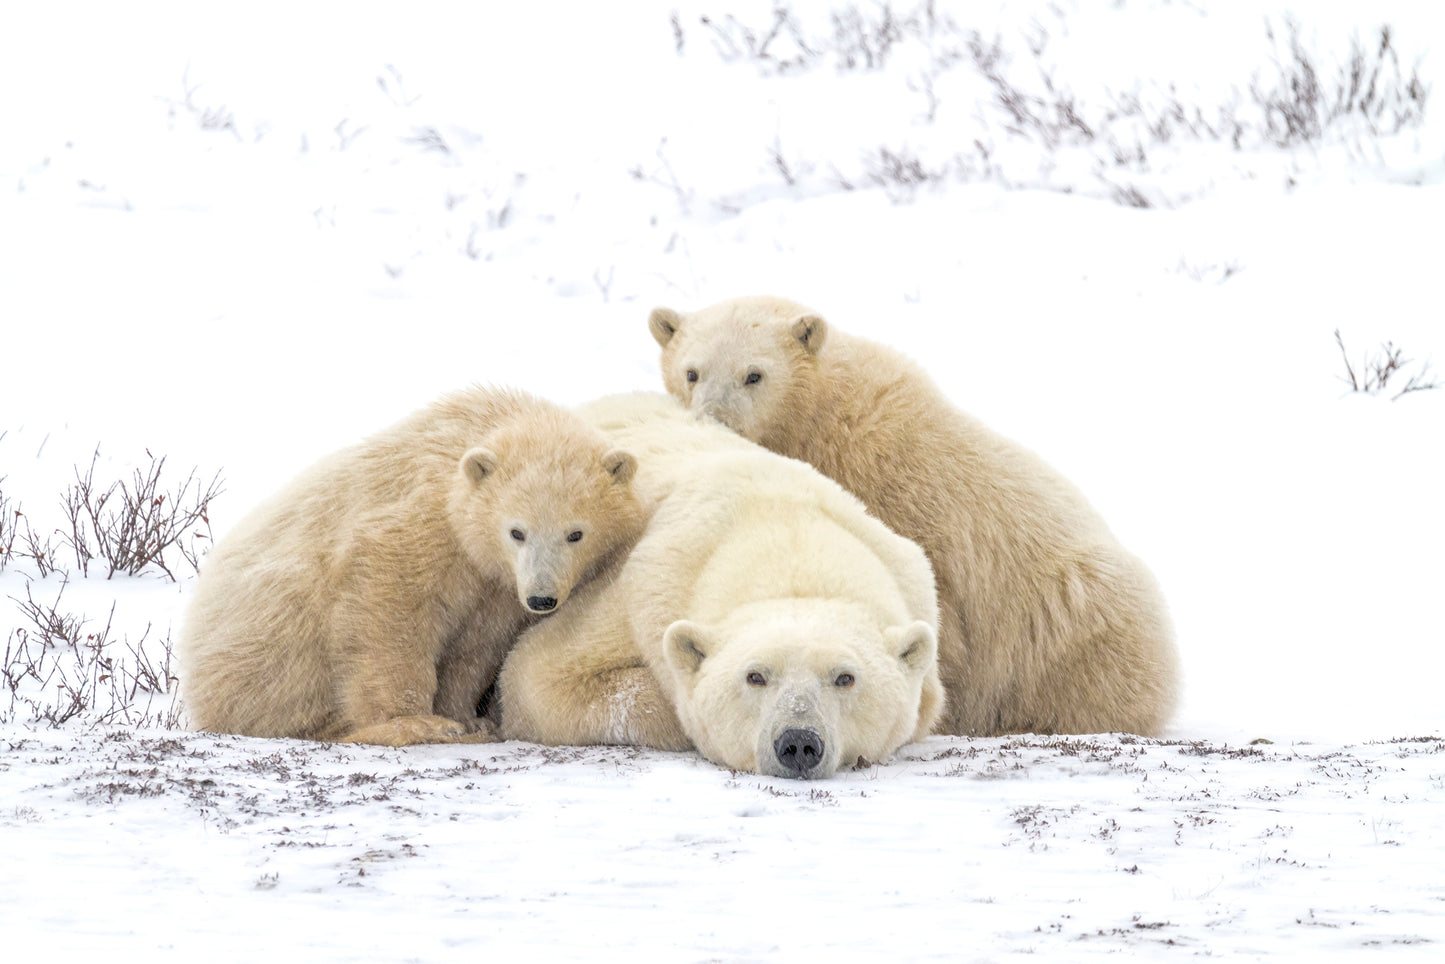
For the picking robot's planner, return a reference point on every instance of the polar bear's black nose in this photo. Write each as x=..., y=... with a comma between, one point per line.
x=799, y=750
x=541, y=604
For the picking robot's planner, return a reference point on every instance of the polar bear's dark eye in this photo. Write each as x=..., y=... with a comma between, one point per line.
x=692, y=375
x=844, y=679
x=757, y=679
x=519, y=535
x=753, y=378
x=574, y=536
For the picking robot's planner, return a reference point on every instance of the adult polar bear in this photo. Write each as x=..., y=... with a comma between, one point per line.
x=1046, y=623
x=764, y=617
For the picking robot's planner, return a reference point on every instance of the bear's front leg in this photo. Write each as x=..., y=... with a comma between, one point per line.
x=409, y=730
x=386, y=638
x=576, y=678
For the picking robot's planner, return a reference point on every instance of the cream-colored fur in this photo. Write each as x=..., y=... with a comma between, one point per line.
x=1046, y=623
x=374, y=598
x=764, y=617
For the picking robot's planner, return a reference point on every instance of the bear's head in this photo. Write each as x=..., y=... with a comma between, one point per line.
x=743, y=362
x=550, y=498
x=802, y=687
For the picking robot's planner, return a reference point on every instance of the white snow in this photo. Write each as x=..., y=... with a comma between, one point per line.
x=242, y=237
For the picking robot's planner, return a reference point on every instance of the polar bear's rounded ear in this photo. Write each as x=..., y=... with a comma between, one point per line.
x=810, y=331
x=664, y=323
x=686, y=645
x=916, y=645
x=621, y=465
x=478, y=463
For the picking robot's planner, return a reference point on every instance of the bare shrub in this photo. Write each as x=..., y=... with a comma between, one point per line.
x=925, y=85
x=1300, y=98
x=791, y=171
x=15, y=528
x=1164, y=119
x=42, y=553
x=1370, y=86
x=56, y=671
x=863, y=41
x=1053, y=117
x=736, y=41
x=679, y=40
x=664, y=175
x=9, y=523
x=41, y=653
x=1213, y=272
x=1128, y=195
x=1385, y=371
x=394, y=88
x=604, y=284
x=1387, y=106
x=134, y=526
x=207, y=117
x=49, y=625
x=858, y=37
x=344, y=137
x=428, y=139
x=900, y=173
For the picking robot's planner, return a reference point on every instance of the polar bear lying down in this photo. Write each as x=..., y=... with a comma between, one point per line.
x=764, y=617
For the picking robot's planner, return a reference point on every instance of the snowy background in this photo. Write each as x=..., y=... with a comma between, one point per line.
x=1125, y=235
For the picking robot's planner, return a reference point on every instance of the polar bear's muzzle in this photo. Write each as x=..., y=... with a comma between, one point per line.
x=799, y=751
x=723, y=406
x=541, y=604
x=798, y=737
x=542, y=582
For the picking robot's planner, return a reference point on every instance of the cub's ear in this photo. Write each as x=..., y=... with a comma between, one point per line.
x=478, y=463
x=810, y=331
x=664, y=323
x=686, y=645
x=621, y=465
x=916, y=645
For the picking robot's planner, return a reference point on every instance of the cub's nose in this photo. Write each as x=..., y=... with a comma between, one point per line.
x=799, y=750
x=541, y=604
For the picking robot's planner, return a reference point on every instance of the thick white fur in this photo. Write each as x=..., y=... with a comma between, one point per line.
x=374, y=598
x=1047, y=624
x=752, y=564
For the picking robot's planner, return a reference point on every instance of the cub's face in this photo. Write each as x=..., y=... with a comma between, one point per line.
x=799, y=697
x=551, y=514
x=741, y=362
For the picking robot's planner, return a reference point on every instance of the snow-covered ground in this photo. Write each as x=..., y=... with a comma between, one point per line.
x=224, y=848
x=242, y=238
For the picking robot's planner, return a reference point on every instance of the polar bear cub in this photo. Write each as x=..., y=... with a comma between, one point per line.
x=764, y=617
x=374, y=598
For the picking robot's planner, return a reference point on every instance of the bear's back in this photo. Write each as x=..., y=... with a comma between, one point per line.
x=773, y=524
x=800, y=528
x=893, y=437
x=412, y=459
x=668, y=441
